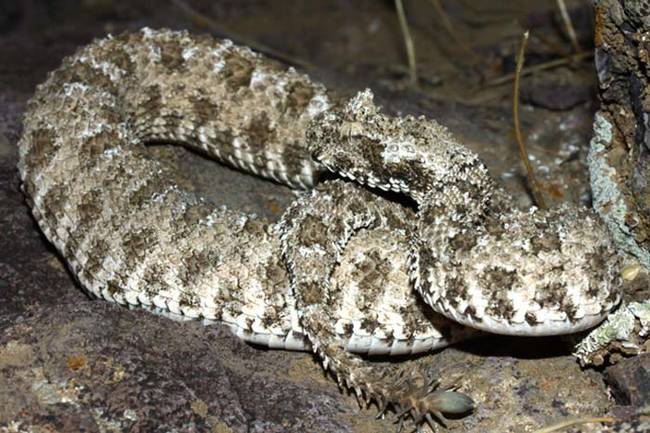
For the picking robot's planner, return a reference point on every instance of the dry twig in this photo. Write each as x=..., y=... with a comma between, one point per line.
x=534, y=186
x=446, y=22
x=541, y=67
x=408, y=42
x=575, y=421
x=568, y=25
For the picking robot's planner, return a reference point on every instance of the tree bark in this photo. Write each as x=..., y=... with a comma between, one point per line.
x=619, y=158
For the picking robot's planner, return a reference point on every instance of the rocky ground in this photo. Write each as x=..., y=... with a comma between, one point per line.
x=68, y=363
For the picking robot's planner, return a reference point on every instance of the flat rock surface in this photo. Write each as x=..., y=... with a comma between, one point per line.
x=68, y=363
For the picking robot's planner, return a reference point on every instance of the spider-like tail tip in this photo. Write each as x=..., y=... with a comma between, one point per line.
x=451, y=402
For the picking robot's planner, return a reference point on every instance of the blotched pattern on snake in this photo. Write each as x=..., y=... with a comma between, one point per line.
x=339, y=273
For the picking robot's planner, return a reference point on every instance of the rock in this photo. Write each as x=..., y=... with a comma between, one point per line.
x=99, y=366
x=629, y=381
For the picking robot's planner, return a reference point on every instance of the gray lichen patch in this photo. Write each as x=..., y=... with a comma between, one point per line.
x=15, y=354
x=612, y=200
x=624, y=333
x=618, y=157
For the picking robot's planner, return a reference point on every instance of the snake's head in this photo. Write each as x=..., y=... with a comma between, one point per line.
x=404, y=154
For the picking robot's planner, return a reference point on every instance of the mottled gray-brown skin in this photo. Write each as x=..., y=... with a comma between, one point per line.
x=475, y=257
x=334, y=275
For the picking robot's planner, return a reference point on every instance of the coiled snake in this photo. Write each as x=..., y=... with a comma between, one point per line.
x=339, y=273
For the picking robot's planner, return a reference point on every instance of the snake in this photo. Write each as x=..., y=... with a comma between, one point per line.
x=401, y=242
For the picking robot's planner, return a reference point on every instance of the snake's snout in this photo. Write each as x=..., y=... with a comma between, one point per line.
x=520, y=273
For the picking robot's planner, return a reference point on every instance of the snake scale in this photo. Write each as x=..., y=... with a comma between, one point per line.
x=340, y=272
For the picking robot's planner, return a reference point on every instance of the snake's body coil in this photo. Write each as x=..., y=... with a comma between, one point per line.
x=338, y=272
